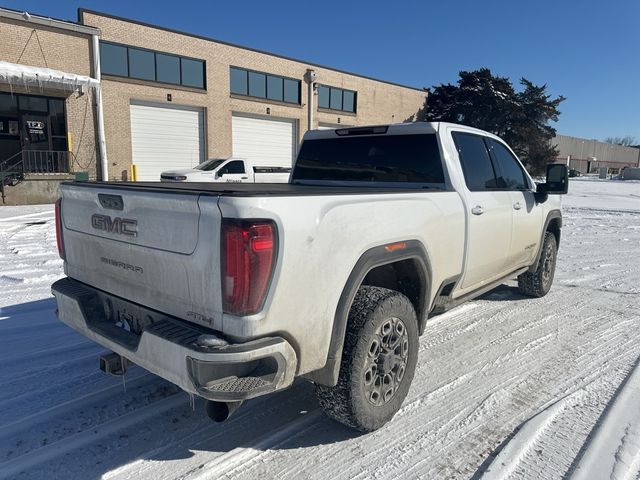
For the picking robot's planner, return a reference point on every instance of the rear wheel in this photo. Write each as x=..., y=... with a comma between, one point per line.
x=538, y=283
x=378, y=360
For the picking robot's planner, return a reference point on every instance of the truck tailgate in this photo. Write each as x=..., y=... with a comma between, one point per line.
x=145, y=246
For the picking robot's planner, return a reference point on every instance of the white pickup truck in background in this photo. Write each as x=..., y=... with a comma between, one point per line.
x=228, y=170
x=231, y=291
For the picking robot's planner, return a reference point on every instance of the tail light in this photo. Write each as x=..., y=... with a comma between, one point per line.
x=248, y=254
x=59, y=239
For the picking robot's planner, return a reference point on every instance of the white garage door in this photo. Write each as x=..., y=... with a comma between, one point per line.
x=164, y=138
x=264, y=142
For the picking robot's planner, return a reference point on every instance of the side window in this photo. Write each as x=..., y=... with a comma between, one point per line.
x=475, y=160
x=233, y=167
x=510, y=173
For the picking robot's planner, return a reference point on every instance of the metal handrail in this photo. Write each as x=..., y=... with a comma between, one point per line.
x=45, y=161
x=37, y=161
x=5, y=161
x=32, y=161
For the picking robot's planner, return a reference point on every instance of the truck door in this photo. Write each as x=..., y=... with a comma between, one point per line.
x=527, y=214
x=489, y=217
x=233, y=172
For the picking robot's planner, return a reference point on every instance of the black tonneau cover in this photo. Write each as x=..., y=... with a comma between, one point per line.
x=248, y=189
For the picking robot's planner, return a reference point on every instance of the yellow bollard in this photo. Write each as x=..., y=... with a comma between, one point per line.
x=134, y=173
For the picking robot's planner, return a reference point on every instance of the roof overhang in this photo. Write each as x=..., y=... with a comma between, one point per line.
x=28, y=76
x=48, y=22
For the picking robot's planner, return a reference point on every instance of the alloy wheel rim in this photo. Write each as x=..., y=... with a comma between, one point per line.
x=386, y=361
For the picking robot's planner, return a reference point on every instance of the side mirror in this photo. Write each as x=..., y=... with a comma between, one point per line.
x=557, y=180
x=220, y=173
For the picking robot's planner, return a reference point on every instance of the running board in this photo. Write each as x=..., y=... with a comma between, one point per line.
x=446, y=303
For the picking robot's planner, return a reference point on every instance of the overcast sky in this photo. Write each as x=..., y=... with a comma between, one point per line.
x=586, y=50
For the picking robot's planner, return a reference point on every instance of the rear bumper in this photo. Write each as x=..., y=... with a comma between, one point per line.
x=167, y=347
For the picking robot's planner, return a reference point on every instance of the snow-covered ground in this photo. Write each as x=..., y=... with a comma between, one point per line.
x=506, y=386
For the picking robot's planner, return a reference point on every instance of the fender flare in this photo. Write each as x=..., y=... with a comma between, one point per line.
x=372, y=258
x=555, y=214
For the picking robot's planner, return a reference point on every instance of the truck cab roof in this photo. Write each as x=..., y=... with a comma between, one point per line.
x=413, y=128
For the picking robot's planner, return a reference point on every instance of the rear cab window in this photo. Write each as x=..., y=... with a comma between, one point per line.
x=401, y=160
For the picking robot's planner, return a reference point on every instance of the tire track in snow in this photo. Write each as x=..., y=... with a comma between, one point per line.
x=614, y=448
x=56, y=358
x=209, y=442
x=614, y=339
x=588, y=364
x=49, y=418
x=229, y=462
x=506, y=462
x=532, y=452
x=26, y=462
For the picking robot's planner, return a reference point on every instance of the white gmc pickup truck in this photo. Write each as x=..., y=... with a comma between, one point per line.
x=232, y=290
x=228, y=170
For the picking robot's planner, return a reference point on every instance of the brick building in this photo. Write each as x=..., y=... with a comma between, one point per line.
x=167, y=99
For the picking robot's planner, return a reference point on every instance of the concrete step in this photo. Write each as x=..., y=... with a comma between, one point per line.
x=35, y=189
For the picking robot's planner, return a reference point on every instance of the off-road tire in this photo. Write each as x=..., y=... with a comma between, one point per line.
x=538, y=283
x=350, y=400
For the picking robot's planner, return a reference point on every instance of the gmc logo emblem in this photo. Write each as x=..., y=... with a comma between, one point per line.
x=121, y=226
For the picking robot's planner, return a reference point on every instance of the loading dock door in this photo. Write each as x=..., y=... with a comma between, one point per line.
x=264, y=141
x=164, y=138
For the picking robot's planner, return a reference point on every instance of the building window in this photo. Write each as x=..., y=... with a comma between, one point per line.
x=113, y=59
x=348, y=101
x=142, y=64
x=192, y=72
x=167, y=68
x=133, y=62
x=291, y=91
x=57, y=118
x=333, y=98
x=274, y=88
x=262, y=85
x=323, y=96
x=257, y=85
x=239, y=82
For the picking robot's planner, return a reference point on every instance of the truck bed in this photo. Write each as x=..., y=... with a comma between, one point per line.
x=249, y=189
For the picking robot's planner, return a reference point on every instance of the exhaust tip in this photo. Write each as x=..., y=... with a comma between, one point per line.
x=220, y=411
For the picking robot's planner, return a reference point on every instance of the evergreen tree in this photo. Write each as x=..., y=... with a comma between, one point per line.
x=490, y=103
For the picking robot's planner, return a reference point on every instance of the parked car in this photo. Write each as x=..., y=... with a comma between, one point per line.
x=228, y=170
x=574, y=173
x=232, y=291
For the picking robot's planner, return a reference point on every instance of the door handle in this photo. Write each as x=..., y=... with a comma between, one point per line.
x=244, y=178
x=477, y=210
x=517, y=206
